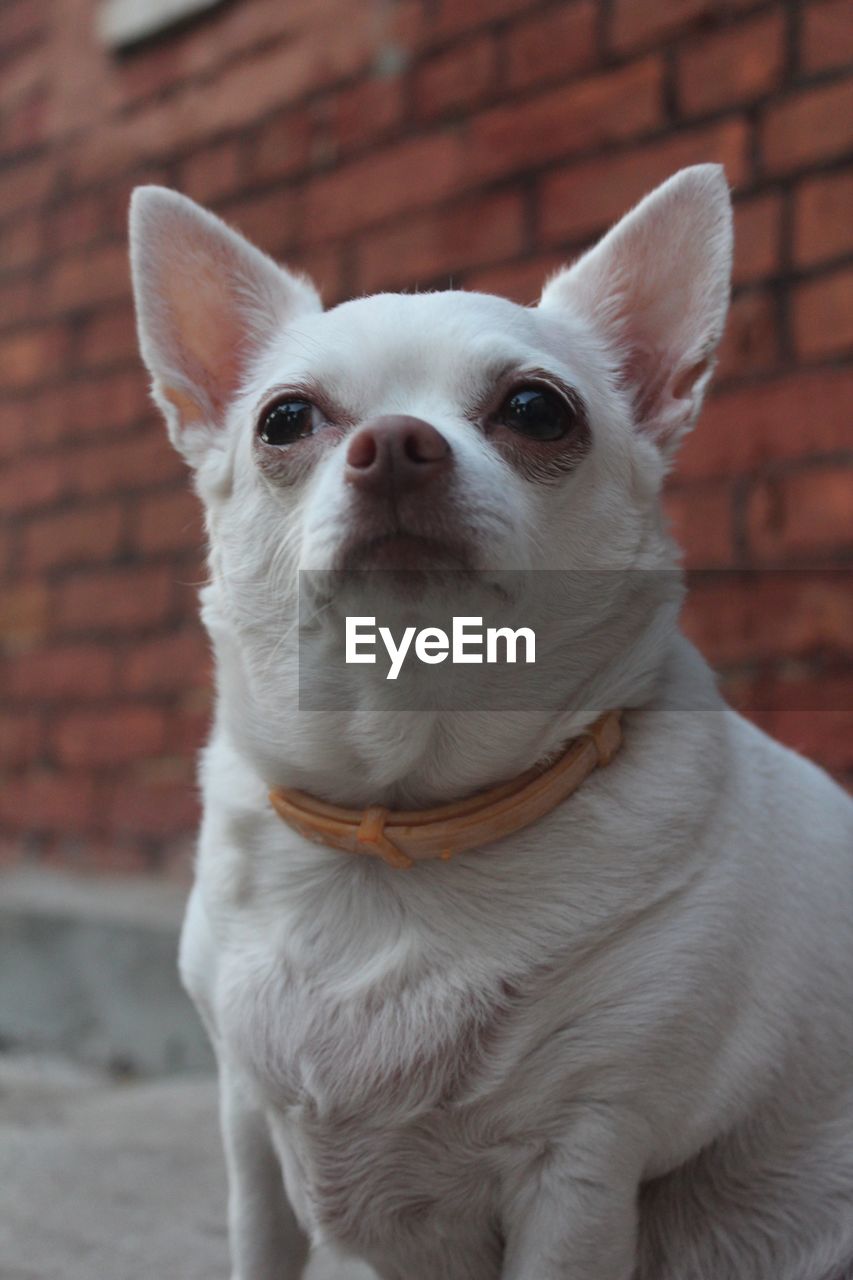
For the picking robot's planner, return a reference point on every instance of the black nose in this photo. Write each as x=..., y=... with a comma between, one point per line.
x=396, y=453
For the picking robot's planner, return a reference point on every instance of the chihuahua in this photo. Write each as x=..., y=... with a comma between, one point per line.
x=616, y=1041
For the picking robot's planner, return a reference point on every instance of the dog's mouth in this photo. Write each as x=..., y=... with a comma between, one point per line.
x=402, y=551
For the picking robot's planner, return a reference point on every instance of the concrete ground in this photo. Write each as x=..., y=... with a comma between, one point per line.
x=102, y=1180
x=106, y=1181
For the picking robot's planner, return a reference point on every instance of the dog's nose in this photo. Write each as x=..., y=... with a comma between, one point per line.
x=396, y=452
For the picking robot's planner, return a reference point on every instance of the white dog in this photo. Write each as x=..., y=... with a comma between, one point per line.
x=618, y=1042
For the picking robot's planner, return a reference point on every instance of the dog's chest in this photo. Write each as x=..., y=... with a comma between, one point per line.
x=370, y=1097
x=417, y=1198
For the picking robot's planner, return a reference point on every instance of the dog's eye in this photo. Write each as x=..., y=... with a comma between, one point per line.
x=540, y=413
x=287, y=421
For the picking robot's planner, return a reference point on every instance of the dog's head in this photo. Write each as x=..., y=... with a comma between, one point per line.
x=422, y=433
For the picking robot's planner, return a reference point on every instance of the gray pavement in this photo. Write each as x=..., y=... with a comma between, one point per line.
x=102, y=1180
x=106, y=1181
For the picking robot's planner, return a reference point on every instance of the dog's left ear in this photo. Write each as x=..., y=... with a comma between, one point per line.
x=656, y=289
x=207, y=302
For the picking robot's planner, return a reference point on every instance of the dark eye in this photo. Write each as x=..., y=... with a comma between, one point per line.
x=286, y=422
x=540, y=413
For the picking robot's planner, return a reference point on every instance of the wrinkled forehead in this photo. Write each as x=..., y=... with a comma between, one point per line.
x=449, y=343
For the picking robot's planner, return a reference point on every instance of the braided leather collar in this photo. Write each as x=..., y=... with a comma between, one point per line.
x=402, y=837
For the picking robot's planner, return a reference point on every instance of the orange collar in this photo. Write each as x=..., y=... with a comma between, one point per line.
x=404, y=836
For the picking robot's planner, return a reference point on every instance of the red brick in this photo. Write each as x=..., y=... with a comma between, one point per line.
x=47, y=800
x=23, y=20
x=64, y=673
x=825, y=735
x=87, y=739
x=163, y=65
x=115, y=196
x=24, y=614
x=165, y=767
x=109, y=338
x=791, y=686
x=153, y=810
x=585, y=196
x=95, y=404
x=419, y=171
x=21, y=739
x=810, y=711
x=80, y=536
x=751, y=341
x=279, y=148
x=18, y=302
x=603, y=108
x=240, y=94
x=758, y=238
x=28, y=357
x=167, y=522
x=267, y=220
x=801, y=514
x=827, y=35
x=167, y=663
x=97, y=275
x=520, y=281
x=127, y=465
x=450, y=17
x=24, y=126
x=213, y=172
x=792, y=416
x=737, y=64
x=701, y=518
x=225, y=33
x=552, y=45
x=15, y=414
x=405, y=26
x=761, y=615
x=21, y=242
x=32, y=483
x=115, y=600
x=433, y=244
x=32, y=185
x=823, y=218
x=456, y=79
x=75, y=222
x=814, y=125
x=823, y=315
x=634, y=23
x=360, y=115
x=22, y=74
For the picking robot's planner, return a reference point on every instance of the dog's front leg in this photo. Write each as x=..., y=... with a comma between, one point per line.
x=266, y=1241
x=574, y=1217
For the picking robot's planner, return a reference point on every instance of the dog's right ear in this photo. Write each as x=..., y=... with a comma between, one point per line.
x=207, y=302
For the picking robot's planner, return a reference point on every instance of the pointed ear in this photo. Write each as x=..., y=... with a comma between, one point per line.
x=206, y=303
x=656, y=288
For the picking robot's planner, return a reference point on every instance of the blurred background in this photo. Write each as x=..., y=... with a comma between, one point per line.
x=394, y=144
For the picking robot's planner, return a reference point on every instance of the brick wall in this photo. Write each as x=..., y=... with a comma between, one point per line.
x=382, y=144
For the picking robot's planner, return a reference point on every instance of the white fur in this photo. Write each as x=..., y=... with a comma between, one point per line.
x=617, y=1044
